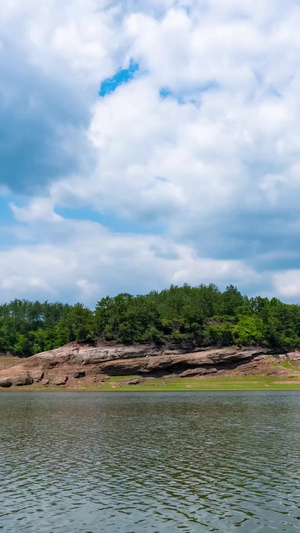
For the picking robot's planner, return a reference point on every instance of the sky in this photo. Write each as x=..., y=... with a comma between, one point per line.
x=149, y=142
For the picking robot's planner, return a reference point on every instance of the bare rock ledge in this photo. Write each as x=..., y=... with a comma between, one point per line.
x=75, y=361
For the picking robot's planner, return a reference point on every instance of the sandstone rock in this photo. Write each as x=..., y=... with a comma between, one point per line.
x=77, y=354
x=178, y=363
x=21, y=381
x=294, y=356
x=131, y=381
x=59, y=380
x=111, y=359
x=92, y=370
x=193, y=372
x=5, y=383
x=37, y=375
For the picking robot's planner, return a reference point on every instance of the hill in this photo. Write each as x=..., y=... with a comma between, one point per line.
x=189, y=317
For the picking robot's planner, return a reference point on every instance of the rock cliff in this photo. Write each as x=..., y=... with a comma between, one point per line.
x=75, y=361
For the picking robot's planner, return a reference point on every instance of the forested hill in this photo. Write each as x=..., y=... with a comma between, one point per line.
x=195, y=316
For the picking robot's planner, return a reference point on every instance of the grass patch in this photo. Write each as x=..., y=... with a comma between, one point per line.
x=200, y=384
x=290, y=365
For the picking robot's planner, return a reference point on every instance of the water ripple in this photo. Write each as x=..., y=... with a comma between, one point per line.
x=154, y=462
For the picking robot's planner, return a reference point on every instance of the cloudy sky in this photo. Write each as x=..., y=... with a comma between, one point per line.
x=149, y=142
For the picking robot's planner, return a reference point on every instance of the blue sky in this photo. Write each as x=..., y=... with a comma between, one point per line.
x=150, y=145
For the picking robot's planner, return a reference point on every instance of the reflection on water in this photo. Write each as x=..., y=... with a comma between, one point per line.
x=157, y=462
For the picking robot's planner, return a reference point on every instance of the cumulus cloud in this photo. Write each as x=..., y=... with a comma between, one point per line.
x=201, y=142
x=83, y=261
x=288, y=284
x=52, y=58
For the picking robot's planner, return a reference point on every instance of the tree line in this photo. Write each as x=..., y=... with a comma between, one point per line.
x=187, y=316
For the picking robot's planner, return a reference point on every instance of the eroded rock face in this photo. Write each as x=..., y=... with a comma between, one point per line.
x=76, y=354
x=204, y=361
x=56, y=367
x=37, y=375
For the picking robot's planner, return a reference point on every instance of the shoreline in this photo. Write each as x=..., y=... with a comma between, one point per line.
x=77, y=368
x=214, y=384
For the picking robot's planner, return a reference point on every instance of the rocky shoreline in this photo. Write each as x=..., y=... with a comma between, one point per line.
x=63, y=366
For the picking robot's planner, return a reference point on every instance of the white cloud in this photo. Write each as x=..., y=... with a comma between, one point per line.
x=215, y=149
x=40, y=209
x=287, y=284
x=215, y=163
x=78, y=38
x=90, y=262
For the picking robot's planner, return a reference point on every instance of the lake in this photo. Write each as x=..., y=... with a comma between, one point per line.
x=150, y=462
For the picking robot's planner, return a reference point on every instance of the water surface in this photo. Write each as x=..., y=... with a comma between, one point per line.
x=150, y=462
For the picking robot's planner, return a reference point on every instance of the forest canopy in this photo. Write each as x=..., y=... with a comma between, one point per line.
x=187, y=316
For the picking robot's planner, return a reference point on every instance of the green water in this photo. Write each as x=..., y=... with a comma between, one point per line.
x=150, y=462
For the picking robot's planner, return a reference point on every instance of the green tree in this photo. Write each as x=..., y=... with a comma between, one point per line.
x=249, y=330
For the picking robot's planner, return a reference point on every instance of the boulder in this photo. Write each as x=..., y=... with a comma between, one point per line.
x=59, y=380
x=131, y=381
x=21, y=381
x=5, y=382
